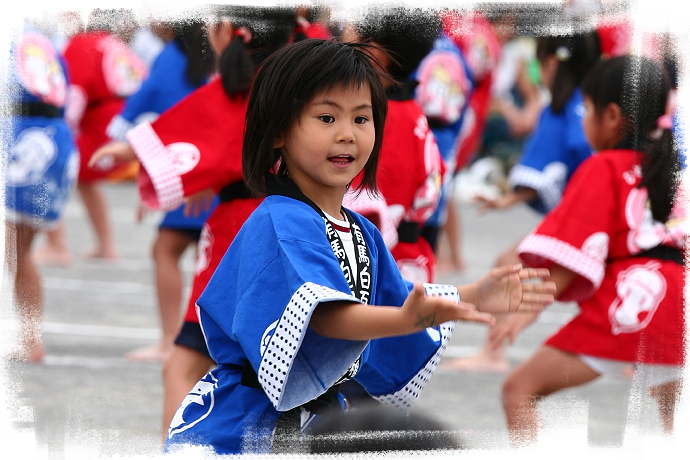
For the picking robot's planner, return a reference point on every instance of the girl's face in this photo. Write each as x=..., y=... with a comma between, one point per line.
x=330, y=142
x=603, y=129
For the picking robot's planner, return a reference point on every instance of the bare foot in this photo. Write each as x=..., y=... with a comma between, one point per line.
x=448, y=266
x=478, y=363
x=33, y=354
x=156, y=352
x=109, y=255
x=48, y=255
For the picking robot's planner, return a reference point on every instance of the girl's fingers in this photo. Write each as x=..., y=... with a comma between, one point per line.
x=530, y=307
x=477, y=317
x=547, y=287
x=529, y=273
x=505, y=270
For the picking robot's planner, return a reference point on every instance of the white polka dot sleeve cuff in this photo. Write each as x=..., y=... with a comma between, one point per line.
x=118, y=128
x=408, y=394
x=299, y=365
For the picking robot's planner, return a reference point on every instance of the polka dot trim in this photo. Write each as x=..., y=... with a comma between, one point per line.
x=407, y=395
x=118, y=127
x=546, y=186
x=280, y=353
x=537, y=248
x=154, y=157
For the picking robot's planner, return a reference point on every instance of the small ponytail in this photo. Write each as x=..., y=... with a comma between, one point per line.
x=258, y=32
x=236, y=68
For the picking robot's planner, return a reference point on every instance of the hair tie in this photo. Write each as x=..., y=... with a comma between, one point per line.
x=243, y=32
x=562, y=54
x=664, y=122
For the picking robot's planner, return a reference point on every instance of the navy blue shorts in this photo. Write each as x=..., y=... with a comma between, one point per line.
x=191, y=337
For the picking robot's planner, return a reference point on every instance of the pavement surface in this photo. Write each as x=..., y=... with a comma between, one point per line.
x=86, y=398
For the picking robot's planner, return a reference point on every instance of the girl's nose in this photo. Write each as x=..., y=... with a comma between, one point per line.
x=346, y=134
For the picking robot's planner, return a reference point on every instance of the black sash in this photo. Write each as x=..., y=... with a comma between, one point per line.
x=408, y=232
x=662, y=252
x=35, y=109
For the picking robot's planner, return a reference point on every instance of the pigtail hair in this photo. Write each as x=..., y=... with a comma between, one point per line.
x=236, y=68
x=190, y=37
x=576, y=54
x=660, y=169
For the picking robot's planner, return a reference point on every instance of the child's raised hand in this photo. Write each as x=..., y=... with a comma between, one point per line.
x=113, y=152
x=514, y=289
x=509, y=327
x=425, y=311
x=200, y=201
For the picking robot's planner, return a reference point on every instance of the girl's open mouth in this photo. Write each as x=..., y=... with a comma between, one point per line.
x=341, y=159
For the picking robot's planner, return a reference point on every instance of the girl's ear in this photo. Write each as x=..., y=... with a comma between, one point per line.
x=612, y=118
x=278, y=142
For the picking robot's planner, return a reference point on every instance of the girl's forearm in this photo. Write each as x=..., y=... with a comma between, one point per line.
x=468, y=293
x=355, y=321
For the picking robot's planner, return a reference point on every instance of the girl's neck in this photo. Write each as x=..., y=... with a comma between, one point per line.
x=329, y=205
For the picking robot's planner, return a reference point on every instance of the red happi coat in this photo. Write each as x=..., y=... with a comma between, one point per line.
x=103, y=71
x=409, y=177
x=194, y=146
x=631, y=308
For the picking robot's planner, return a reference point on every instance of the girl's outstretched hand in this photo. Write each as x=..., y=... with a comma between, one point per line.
x=514, y=289
x=199, y=202
x=112, y=153
x=426, y=311
x=509, y=327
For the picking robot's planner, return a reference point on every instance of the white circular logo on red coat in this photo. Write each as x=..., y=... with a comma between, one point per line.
x=122, y=69
x=185, y=156
x=640, y=289
x=39, y=69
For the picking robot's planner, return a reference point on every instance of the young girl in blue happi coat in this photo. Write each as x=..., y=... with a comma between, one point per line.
x=307, y=295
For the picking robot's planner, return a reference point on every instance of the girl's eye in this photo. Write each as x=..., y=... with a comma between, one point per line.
x=327, y=118
x=361, y=120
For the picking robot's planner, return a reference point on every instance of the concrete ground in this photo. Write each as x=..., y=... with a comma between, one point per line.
x=87, y=399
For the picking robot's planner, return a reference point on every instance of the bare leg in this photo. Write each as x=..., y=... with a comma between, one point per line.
x=27, y=290
x=548, y=370
x=167, y=250
x=453, y=231
x=181, y=371
x=55, y=251
x=491, y=358
x=96, y=207
x=666, y=396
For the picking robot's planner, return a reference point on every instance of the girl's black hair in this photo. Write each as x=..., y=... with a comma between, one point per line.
x=576, y=54
x=407, y=34
x=640, y=88
x=190, y=37
x=270, y=29
x=286, y=82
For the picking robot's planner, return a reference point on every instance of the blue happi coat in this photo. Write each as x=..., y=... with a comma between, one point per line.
x=552, y=153
x=256, y=310
x=40, y=156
